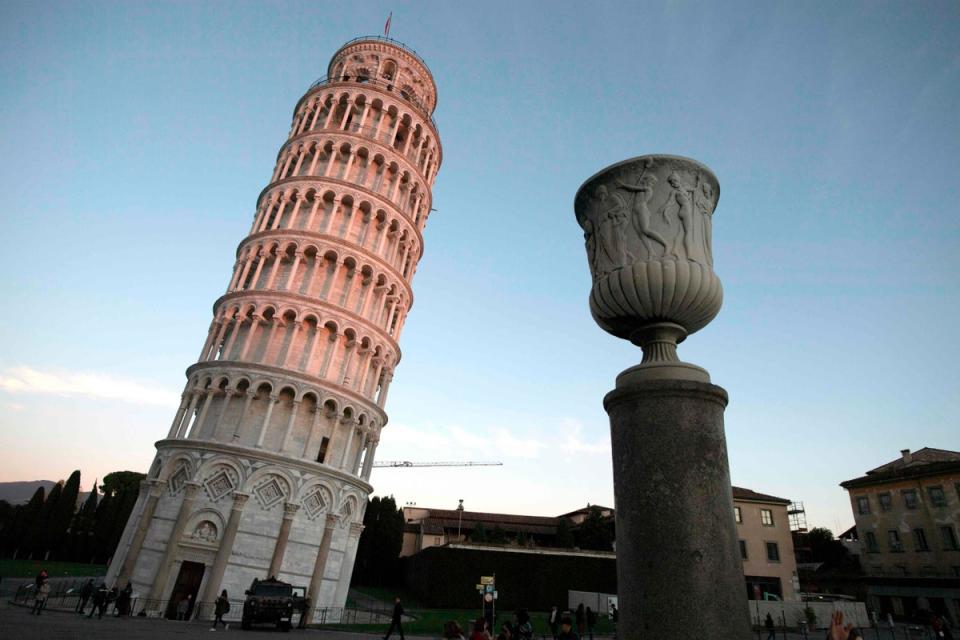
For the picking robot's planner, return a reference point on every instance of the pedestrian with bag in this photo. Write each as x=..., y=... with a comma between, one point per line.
x=220, y=608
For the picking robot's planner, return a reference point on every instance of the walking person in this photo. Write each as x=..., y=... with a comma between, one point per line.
x=581, y=619
x=397, y=619
x=771, y=630
x=221, y=607
x=99, y=601
x=40, y=597
x=85, y=592
x=182, y=607
x=554, y=621
x=591, y=622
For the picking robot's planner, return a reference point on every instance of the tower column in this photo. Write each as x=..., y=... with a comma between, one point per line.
x=289, y=512
x=225, y=549
x=173, y=540
x=155, y=488
x=320, y=564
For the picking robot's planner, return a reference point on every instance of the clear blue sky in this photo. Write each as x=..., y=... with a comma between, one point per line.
x=135, y=137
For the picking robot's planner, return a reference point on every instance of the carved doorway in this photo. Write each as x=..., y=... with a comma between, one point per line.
x=187, y=584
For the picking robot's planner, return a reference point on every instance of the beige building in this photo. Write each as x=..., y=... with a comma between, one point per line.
x=763, y=527
x=766, y=545
x=907, y=513
x=265, y=470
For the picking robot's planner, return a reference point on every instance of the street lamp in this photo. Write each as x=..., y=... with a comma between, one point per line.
x=459, y=518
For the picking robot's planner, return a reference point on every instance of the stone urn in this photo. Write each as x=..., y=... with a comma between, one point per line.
x=647, y=224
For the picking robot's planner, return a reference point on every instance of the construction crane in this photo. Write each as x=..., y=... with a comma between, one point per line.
x=407, y=463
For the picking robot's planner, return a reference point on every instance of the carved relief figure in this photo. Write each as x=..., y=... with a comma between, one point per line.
x=590, y=241
x=704, y=201
x=680, y=201
x=641, y=212
x=205, y=532
x=612, y=219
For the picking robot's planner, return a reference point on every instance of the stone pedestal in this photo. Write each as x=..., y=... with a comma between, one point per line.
x=678, y=565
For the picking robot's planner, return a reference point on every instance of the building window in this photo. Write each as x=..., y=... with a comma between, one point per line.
x=902, y=570
x=937, y=497
x=863, y=505
x=893, y=539
x=737, y=515
x=766, y=517
x=949, y=538
x=910, y=498
x=773, y=552
x=743, y=549
x=920, y=540
x=872, y=546
x=886, y=504
x=956, y=571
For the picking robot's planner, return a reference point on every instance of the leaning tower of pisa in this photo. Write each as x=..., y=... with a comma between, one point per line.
x=265, y=470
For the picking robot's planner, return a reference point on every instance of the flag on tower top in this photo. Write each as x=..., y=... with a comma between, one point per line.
x=386, y=27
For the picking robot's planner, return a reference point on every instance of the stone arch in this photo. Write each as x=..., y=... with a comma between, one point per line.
x=270, y=486
x=317, y=497
x=204, y=526
x=220, y=477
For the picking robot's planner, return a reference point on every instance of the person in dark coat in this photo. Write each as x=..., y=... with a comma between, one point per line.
x=123, y=600
x=397, y=620
x=566, y=630
x=581, y=619
x=221, y=607
x=99, y=601
x=85, y=592
x=591, y=622
x=771, y=630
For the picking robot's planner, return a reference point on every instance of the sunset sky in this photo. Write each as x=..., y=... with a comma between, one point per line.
x=135, y=138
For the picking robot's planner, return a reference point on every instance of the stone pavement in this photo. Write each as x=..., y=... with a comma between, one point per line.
x=16, y=623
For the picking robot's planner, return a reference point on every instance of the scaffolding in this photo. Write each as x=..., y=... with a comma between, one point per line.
x=798, y=517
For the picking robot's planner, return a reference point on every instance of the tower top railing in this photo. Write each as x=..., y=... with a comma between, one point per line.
x=389, y=87
x=390, y=41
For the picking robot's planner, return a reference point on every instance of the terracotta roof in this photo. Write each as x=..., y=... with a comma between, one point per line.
x=918, y=459
x=739, y=493
x=924, y=462
x=489, y=518
x=586, y=510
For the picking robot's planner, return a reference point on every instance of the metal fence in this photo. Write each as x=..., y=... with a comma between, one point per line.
x=65, y=596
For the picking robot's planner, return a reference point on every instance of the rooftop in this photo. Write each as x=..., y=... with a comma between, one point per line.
x=924, y=462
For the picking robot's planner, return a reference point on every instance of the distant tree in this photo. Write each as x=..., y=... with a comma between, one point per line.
x=62, y=515
x=19, y=540
x=120, y=490
x=81, y=531
x=378, y=552
x=595, y=532
x=564, y=534
x=41, y=529
x=497, y=535
x=479, y=533
x=521, y=539
x=823, y=546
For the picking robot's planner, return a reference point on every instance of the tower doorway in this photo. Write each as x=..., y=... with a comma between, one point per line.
x=187, y=585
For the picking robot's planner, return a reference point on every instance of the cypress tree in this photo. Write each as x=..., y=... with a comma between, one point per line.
x=62, y=515
x=41, y=535
x=81, y=531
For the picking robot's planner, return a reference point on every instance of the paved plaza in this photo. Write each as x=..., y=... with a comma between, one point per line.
x=16, y=623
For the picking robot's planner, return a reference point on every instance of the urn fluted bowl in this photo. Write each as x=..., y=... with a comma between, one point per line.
x=647, y=226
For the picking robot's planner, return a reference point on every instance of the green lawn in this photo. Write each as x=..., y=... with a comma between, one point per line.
x=30, y=568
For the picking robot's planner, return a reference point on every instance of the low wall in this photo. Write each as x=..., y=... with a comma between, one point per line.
x=793, y=612
x=446, y=577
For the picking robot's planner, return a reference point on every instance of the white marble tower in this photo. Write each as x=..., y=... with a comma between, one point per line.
x=265, y=470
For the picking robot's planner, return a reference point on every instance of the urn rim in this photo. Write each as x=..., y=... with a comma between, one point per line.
x=653, y=156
